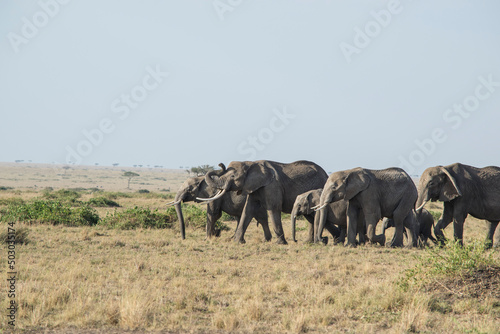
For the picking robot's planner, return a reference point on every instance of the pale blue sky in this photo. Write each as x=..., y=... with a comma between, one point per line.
x=250, y=80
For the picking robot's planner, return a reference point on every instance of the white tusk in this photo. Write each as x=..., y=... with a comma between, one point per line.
x=420, y=207
x=321, y=207
x=216, y=196
x=315, y=207
x=173, y=203
x=210, y=198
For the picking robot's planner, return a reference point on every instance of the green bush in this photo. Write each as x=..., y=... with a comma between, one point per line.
x=63, y=195
x=193, y=215
x=115, y=194
x=138, y=217
x=50, y=211
x=86, y=215
x=11, y=201
x=452, y=260
x=102, y=201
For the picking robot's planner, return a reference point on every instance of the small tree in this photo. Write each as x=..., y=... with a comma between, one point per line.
x=201, y=170
x=129, y=175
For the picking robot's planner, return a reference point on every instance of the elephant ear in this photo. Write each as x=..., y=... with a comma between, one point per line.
x=357, y=181
x=258, y=176
x=450, y=189
x=310, y=200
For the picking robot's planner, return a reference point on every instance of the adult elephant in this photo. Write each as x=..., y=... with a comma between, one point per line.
x=375, y=193
x=425, y=223
x=464, y=190
x=231, y=203
x=304, y=206
x=273, y=185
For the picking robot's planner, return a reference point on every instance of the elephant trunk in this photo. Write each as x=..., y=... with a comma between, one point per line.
x=423, y=198
x=321, y=224
x=213, y=180
x=294, y=218
x=182, y=226
x=178, y=200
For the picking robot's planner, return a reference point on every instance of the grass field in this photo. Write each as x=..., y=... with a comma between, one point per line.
x=99, y=279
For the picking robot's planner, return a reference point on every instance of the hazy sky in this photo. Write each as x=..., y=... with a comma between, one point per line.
x=189, y=82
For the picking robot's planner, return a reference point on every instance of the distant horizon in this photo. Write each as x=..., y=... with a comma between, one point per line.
x=180, y=168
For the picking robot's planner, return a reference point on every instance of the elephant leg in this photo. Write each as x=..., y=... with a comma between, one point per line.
x=275, y=217
x=320, y=224
x=213, y=214
x=352, y=222
x=246, y=217
x=458, y=229
x=267, y=231
x=342, y=236
x=491, y=232
x=361, y=228
x=443, y=222
x=459, y=216
x=312, y=224
x=334, y=231
x=410, y=229
x=371, y=224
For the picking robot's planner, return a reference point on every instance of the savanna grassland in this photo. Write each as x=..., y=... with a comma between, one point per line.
x=130, y=271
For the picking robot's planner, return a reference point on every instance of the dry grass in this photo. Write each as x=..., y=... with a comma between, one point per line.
x=149, y=280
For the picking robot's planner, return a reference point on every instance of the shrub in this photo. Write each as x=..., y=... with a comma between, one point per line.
x=193, y=215
x=453, y=260
x=115, y=194
x=64, y=195
x=11, y=201
x=143, y=191
x=102, y=201
x=85, y=215
x=53, y=212
x=138, y=217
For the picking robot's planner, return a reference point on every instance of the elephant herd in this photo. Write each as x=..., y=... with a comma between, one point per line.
x=349, y=203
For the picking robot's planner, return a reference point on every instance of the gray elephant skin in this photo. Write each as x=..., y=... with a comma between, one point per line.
x=387, y=193
x=464, y=190
x=231, y=203
x=425, y=223
x=336, y=216
x=271, y=184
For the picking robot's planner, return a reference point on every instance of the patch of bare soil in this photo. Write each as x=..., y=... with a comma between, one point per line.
x=479, y=284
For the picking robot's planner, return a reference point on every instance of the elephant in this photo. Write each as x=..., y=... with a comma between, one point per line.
x=425, y=223
x=387, y=193
x=273, y=184
x=464, y=190
x=336, y=215
x=195, y=188
x=303, y=205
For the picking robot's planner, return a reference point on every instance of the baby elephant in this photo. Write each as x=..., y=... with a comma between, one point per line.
x=425, y=223
x=336, y=215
